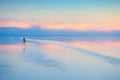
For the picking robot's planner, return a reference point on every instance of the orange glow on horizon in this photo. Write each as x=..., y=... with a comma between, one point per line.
x=73, y=26
x=56, y=26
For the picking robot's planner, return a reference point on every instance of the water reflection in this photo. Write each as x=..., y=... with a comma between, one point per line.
x=109, y=48
x=12, y=48
x=109, y=59
x=44, y=59
x=4, y=68
x=39, y=58
x=30, y=53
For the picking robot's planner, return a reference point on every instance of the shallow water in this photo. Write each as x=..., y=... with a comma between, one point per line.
x=60, y=58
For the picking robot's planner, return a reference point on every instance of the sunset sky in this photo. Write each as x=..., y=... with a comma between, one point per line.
x=80, y=15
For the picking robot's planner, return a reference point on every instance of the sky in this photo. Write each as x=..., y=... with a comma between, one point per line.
x=77, y=15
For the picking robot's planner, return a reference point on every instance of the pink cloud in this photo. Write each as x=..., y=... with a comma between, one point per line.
x=73, y=26
x=16, y=23
x=82, y=26
x=56, y=26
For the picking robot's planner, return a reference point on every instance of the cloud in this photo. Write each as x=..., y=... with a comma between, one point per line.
x=17, y=23
x=82, y=26
x=69, y=26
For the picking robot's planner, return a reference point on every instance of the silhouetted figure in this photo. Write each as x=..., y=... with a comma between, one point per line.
x=24, y=44
x=24, y=40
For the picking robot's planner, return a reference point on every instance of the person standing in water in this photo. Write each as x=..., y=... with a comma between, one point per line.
x=24, y=44
x=24, y=40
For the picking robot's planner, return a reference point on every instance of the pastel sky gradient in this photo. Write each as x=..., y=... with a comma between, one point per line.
x=82, y=15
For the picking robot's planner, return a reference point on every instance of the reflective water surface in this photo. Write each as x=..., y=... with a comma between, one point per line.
x=60, y=58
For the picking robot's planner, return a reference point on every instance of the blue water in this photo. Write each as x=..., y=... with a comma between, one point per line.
x=60, y=58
